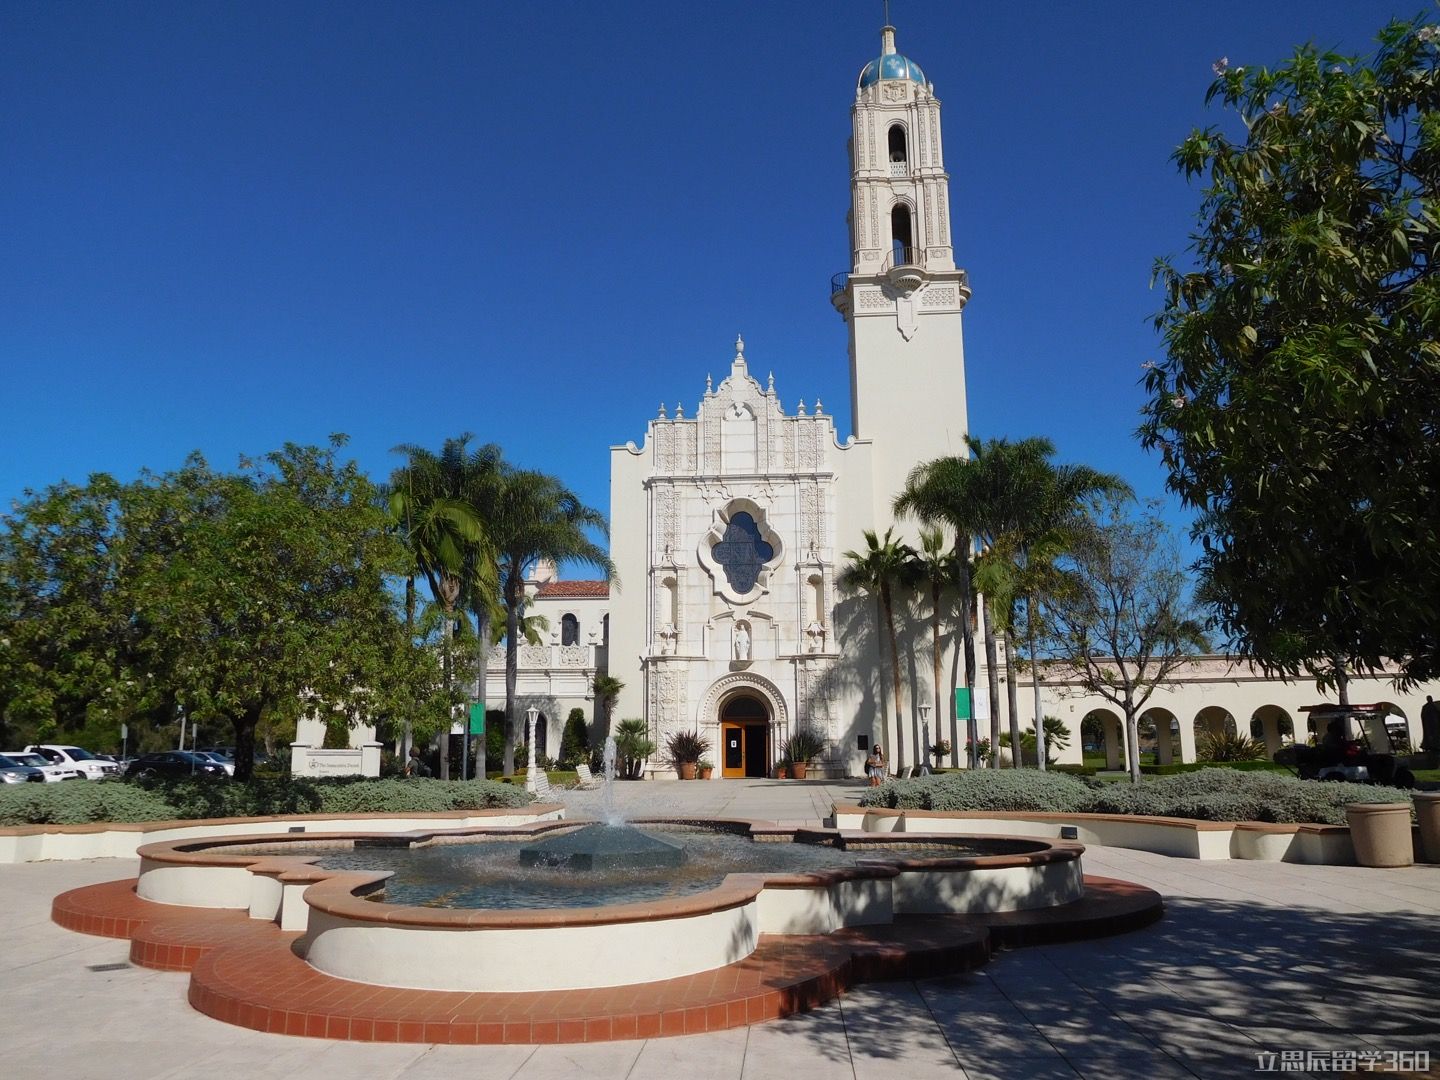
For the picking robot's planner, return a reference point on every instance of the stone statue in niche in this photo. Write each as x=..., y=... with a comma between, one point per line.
x=815, y=633
x=740, y=639
x=668, y=635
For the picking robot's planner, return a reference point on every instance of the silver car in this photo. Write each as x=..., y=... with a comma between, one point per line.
x=12, y=772
x=53, y=773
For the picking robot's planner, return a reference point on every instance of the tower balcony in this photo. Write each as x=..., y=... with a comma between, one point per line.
x=840, y=292
x=902, y=267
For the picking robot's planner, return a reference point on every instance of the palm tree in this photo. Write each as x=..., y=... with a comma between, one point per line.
x=952, y=491
x=945, y=569
x=885, y=565
x=536, y=517
x=607, y=692
x=1034, y=510
x=430, y=499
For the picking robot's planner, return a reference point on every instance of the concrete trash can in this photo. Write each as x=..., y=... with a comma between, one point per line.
x=1381, y=833
x=1427, y=811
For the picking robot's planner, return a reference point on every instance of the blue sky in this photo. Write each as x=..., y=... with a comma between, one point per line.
x=224, y=226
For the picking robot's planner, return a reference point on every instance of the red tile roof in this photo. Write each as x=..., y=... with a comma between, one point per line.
x=590, y=589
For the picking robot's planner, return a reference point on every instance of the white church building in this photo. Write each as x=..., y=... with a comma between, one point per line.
x=729, y=525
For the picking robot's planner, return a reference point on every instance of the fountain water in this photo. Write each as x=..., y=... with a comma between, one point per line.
x=608, y=845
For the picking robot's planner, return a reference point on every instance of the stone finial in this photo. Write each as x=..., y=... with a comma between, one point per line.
x=663, y=415
x=679, y=410
x=709, y=386
x=819, y=409
x=739, y=347
x=801, y=410
x=770, y=383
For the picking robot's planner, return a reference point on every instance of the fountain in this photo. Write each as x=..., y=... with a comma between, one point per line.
x=607, y=845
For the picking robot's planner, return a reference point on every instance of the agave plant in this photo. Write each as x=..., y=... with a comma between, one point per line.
x=1230, y=746
x=686, y=747
x=804, y=745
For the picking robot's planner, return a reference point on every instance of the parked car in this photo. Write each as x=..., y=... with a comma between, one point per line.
x=12, y=772
x=219, y=759
x=174, y=763
x=53, y=772
x=90, y=766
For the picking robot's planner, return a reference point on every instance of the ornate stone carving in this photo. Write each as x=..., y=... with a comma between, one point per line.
x=664, y=448
x=814, y=691
x=894, y=91
x=787, y=445
x=871, y=300
x=534, y=656
x=940, y=296
x=667, y=521
x=767, y=690
x=812, y=518
x=808, y=450
x=575, y=656
x=685, y=440
x=667, y=698
x=711, y=462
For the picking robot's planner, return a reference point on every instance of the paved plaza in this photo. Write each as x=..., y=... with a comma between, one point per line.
x=1254, y=965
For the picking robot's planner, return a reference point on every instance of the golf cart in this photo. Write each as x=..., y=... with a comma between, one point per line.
x=1355, y=745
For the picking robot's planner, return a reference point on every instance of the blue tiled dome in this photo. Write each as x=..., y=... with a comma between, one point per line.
x=891, y=66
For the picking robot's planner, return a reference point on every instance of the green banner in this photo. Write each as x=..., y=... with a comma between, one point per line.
x=477, y=719
x=962, y=704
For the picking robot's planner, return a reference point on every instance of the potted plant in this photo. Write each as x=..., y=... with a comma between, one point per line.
x=940, y=750
x=707, y=769
x=686, y=748
x=800, y=749
x=782, y=768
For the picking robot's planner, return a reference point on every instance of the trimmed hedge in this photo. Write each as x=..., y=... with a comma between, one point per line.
x=983, y=789
x=79, y=802
x=1175, y=769
x=1209, y=794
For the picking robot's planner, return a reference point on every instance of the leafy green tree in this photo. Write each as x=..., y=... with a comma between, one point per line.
x=432, y=498
x=276, y=599
x=1128, y=623
x=534, y=516
x=886, y=565
x=1296, y=405
x=73, y=659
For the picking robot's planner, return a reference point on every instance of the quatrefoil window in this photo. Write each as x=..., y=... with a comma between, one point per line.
x=742, y=553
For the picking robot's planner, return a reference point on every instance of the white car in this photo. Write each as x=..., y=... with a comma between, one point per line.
x=88, y=765
x=52, y=773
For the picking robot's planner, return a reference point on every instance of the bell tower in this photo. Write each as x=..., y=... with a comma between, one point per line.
x=903, y=295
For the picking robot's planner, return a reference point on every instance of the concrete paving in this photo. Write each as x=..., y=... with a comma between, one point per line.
x=1254, y=966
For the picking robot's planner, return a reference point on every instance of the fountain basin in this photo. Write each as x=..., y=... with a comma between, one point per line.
x=348, y=934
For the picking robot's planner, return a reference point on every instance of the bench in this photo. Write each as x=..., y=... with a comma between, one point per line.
x=585, y=779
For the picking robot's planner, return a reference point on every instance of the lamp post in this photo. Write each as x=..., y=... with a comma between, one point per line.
x=531, y=714
x=925, y=739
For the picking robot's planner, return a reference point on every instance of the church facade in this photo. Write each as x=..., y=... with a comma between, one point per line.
x=729, y=527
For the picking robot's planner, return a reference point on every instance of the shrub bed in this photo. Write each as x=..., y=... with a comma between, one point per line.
x=983, y=789
x=1209, y=794
x=1195, y=766
x=79, y=802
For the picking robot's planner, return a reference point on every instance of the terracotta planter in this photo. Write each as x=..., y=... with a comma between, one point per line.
x=780, y=772
x=687, y=770
x=798, y=769
x=1427, y=811
x=1381, y=833
x=706, y=774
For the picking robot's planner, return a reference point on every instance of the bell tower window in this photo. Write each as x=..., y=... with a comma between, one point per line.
x=569, y=630
x=902, y=247
x=899, y=156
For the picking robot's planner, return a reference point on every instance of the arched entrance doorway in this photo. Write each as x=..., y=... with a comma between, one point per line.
x=744, y=735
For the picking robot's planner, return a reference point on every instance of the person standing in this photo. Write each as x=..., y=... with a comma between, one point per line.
x=875, y=766
x=1430, y=731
